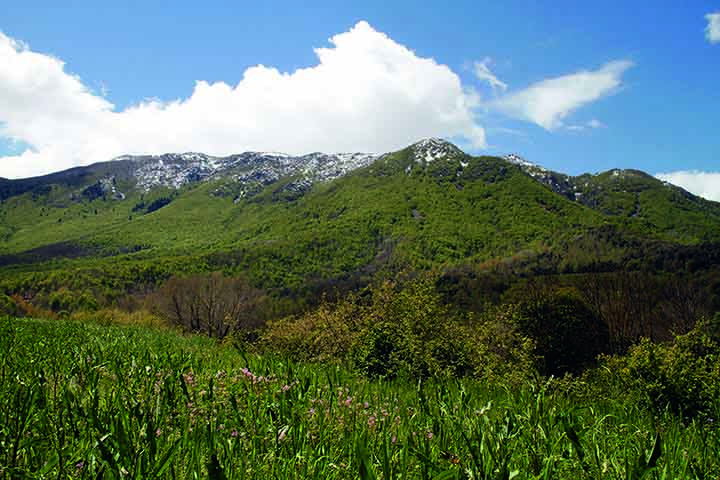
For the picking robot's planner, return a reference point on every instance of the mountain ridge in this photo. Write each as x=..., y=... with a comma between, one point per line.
x=329, y=214
x=175, y=170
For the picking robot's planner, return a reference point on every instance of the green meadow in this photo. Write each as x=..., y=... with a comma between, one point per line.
x=82, y=400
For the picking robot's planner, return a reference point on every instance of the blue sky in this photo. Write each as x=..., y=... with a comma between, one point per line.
x=574, y=86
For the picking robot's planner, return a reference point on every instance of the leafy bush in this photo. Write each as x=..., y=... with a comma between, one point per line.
x=403, y=329
x=7, y=305
x=325, y=333
x=65, y=300
x=683, y=376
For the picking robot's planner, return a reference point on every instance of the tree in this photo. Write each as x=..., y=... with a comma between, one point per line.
x=213, y=304
x=568, y=334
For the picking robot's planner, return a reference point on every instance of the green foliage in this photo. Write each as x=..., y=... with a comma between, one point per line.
x=408, y=331
x=403, y=329
x=683, y=376
x=82, y=401
x=373, y=217
x=7, y=305
x=68, y=301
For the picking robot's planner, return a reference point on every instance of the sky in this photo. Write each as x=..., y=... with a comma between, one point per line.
x=573, y=86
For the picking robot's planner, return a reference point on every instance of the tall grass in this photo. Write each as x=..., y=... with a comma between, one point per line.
x=84, y=401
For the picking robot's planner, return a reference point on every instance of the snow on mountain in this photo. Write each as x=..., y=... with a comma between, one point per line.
x=520, y=161
x=248, y=171
x=430, y=149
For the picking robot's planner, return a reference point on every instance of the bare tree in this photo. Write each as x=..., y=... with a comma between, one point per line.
x=213, y=304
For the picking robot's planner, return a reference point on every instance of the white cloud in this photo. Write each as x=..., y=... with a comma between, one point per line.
x=549, y=101
x=367, y=93
x=482, y=72
x=704, y=184
x=712, y=31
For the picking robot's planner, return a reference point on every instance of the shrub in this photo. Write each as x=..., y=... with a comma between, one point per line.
x=683, y=376
x=7, y=306
x=396, y=329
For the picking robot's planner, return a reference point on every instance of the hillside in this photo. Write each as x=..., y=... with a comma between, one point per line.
x=284, y=221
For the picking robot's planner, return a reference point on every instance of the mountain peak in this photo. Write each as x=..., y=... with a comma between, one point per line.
x=433, y=148
x=518, y=160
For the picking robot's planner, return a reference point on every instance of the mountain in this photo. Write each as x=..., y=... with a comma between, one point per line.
x=661, y=206
x=286, y=221
x=249, y=170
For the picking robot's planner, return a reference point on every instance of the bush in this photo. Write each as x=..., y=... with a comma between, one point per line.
x=7, y=306
x=392, y=329
x=683, y=376
x=326, y=333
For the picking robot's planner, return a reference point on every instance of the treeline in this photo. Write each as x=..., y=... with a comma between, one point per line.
x=630, y=305
x=656, y=333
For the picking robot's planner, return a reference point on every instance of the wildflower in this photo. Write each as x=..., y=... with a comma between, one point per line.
x=312, y=411
x=234, y=433
x=429, y=435
x=348, y=401
x=158, y=432
x=393, y=439
x=221, y=427
x=80, y=465
x=189, y=378
x=371, y=421
x=367, y=405
x=285, y=388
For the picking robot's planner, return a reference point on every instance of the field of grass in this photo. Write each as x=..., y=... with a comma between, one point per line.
x=81, y=400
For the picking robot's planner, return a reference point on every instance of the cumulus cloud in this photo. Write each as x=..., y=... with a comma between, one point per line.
x=482, y=72
x=712, y=31
x=549, y=101
x=704, y=184
x=366, y=93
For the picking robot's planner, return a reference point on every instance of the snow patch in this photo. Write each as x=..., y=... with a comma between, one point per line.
x=431, y=149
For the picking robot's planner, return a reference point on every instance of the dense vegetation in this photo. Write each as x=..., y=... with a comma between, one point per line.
x=452, y=319
x=87, y=401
